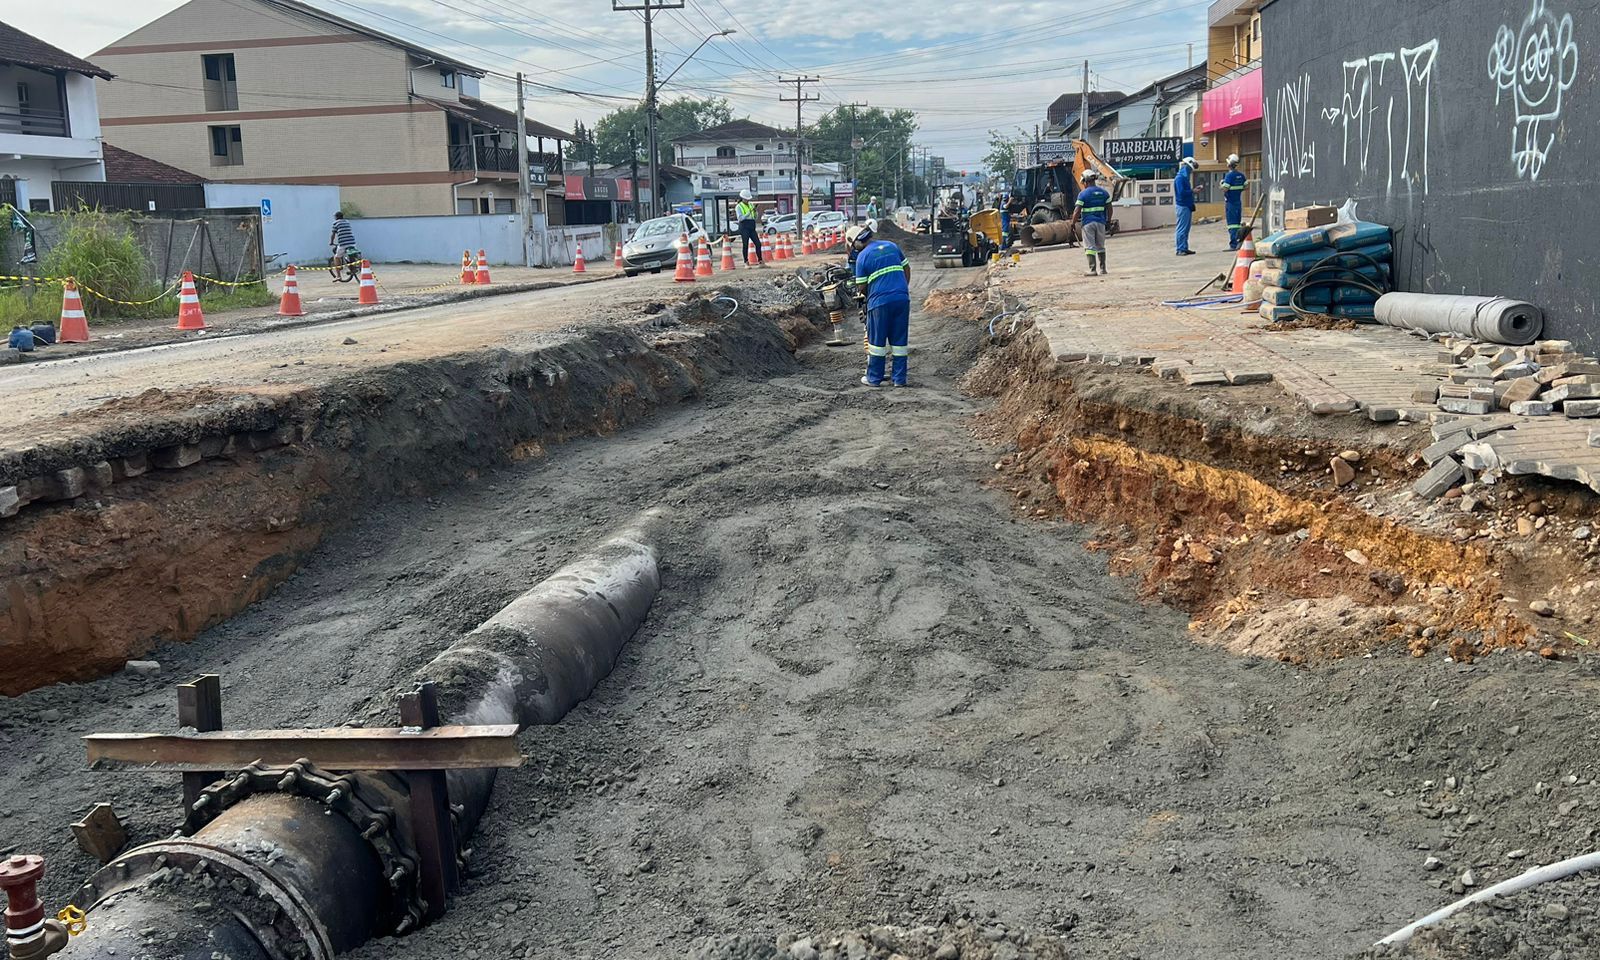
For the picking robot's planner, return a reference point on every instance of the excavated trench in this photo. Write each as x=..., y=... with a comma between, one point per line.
x=176, y=511
x=1242, y=527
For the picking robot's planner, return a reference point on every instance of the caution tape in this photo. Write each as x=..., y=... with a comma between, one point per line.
x=126, y=303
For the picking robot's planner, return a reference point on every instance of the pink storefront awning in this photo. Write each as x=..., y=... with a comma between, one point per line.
x=1235, y=102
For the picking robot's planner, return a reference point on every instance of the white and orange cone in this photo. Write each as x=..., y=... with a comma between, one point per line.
x=189, y=315
x=727, y=254
x=482, y=275
x=369, y=286
x=577, y=261
x=466, y=267
x=702, y=264
x=617, y=261
x=74, y=327
x=289, y=304
x=685, y=272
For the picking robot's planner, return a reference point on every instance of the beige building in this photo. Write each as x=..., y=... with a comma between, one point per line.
x=275, y=91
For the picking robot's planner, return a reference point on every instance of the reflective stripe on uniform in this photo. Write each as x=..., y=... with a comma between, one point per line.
x=1094, y=209
x=883, y=272
x=877, y=351
x=901, y=351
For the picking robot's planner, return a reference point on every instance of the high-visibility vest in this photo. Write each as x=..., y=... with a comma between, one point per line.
x=747, y=211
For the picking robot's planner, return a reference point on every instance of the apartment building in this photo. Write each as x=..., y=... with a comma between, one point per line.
x=1230, y=116
x=276, y=91
x=745, y=148
x=49, y=119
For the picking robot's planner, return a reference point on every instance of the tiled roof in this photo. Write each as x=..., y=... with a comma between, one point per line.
x=27, y=50
x=497, y=117
x=736, y=130
x=125, y=166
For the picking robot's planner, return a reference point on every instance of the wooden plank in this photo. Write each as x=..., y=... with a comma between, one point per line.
x=432, y=832
x=200, y=707
x=339, y=748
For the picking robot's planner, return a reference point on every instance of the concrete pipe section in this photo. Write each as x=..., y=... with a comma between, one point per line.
x=297, y=863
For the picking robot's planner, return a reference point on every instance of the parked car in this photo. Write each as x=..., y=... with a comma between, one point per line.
x=826, y=220
x=655, y=245
x=783, y=223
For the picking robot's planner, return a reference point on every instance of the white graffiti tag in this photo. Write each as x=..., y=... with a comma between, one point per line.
x=1536, y=64
x=1385, y=129
x=1291, y=151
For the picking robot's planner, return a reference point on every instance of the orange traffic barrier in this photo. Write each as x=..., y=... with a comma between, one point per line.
x=685, y=272
x=617, y=261
x=482, y=276
x=1241, y=266
x=727, y=254
x=369, y=286
x=74, y=327
x=289, y=303
x=702, y=262
x=467, y=276
x=189, y=315
x=577, y=261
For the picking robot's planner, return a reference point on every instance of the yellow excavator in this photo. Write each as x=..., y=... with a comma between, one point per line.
x=1043, y=196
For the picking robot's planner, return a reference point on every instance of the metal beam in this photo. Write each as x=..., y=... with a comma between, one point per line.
x=339, y=748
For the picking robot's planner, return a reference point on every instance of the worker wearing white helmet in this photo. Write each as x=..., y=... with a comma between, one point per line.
x=1233, y=184
x=747, y=226
x=881, y=269
x=1183, y=196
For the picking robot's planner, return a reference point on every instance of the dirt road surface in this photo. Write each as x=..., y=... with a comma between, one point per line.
x=870, y=693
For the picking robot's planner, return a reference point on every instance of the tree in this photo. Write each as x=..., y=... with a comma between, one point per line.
x=583, y=149
x=885, y=150
x=676, y=118
x=1002, y=158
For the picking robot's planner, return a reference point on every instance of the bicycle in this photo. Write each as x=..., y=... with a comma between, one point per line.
x=346, y=266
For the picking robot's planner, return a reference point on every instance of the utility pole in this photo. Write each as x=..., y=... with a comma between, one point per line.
x=1191, y=56
x=647, y=7
x=1083, y=115
x=524, y=191
x=633, y=157
x=800, y=99
x=855, y=183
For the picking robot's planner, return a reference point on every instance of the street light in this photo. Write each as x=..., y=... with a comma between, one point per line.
x=650, y=120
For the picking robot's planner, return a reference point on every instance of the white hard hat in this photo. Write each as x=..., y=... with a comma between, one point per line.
x=1190, y=162
x=745, y=195
x=859, y=233
x=871, y=225
x=1233, y=158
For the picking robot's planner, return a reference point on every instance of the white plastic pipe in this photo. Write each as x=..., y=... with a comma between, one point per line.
x=1534, y=877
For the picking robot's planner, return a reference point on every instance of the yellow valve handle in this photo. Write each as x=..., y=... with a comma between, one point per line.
x=74, y=919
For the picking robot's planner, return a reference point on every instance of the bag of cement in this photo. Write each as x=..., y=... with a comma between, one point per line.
x=1312, y=297
x=1253, y=289
x=1276, y=313
x=1280, y=278
x=1282, y=244
x=1353, y=311
x=1270, y=294
x=1348, y=236
x=1265, y=263
x=1354, y=295
x=1381, y=252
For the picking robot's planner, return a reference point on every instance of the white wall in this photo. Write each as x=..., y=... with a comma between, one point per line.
x=439, y=239
x=302, y=216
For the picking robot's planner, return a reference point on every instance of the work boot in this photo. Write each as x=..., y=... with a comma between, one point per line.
x=867, y=382
x=1103, y=270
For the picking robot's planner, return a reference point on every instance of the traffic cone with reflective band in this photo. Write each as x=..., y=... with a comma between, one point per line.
x=577, y=261
x=1241, y=266
x=369, y=286
x=808, y=245
x=189, y=315
x=786, y=248
x=482, y=276
x=289, y=303
x=727, y=254
x=467, y=275
x=702, y=263
x=74, y=327
x=617, y=261
x=685, y=272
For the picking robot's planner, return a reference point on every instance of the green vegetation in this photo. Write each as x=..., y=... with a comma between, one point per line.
x=101, y=251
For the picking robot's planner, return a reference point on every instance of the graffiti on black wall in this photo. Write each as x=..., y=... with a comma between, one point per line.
x=1535, y=65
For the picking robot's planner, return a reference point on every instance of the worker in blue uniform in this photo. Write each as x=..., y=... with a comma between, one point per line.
x=1183, y=197
x=1094, y=209
x=882, y=270
x=1233, y=183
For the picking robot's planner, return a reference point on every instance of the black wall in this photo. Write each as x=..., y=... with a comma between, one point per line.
x=1471, y=126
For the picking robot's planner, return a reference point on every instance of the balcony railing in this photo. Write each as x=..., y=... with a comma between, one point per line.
x=498, y=159
x=33, y=123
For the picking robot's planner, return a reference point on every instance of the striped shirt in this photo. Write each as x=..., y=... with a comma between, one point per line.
x=343, y=235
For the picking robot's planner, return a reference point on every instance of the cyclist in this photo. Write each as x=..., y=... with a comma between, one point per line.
x=342, y=238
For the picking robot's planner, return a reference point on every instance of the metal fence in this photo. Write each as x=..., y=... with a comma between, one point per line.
x=8, y=191
x=139, y=197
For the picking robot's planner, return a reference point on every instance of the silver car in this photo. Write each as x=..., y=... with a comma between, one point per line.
x=654, y=246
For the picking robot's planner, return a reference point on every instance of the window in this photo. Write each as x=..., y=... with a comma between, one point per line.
x=465, y=206
x=447, y=78
x=221, y=83
x=22, y=98
x=227, y=146
x=505, y=205
x=761, y=146
x=725, y=153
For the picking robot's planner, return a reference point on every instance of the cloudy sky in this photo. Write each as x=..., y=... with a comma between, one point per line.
x=964, y=68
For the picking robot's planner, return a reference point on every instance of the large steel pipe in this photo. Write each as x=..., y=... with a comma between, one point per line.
x=293, y=865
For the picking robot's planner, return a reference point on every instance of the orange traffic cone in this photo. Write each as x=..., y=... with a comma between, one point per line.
x=785, y=251
x=189, y=315
x=1241, y=266
x=483, y=268
x=806, y=249
x=685, y=273
x=289, y=303
x=467, y=275
x=369, y=286
x=702, y=263
x=577, y=261
x=74, y=328
x=727, y=254
x=617, y=261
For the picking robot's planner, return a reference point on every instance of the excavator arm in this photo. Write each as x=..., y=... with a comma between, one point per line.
x=1085, y=159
